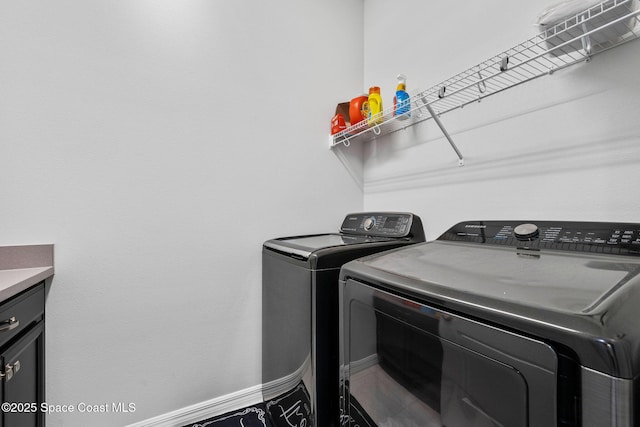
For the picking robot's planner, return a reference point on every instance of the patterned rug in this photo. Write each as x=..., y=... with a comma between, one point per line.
x=357, y=417
x=253, y=416
x=291, y=409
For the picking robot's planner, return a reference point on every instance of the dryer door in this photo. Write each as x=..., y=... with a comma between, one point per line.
x=406, y=363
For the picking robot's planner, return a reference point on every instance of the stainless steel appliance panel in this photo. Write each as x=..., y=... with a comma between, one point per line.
x=408, y=363
x=286, y=343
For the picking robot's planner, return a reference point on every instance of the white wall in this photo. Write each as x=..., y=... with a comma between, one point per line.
x=157, y=144
x=562, y=147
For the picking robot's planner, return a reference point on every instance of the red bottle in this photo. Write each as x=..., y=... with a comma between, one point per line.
x=355, y=109
x=338, y=124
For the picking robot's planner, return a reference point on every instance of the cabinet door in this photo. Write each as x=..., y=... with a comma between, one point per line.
x=23, y=382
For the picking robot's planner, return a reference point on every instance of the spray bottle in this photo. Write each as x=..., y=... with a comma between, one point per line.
x=401, y=103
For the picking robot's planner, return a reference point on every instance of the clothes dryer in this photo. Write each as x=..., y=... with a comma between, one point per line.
x=497, y=323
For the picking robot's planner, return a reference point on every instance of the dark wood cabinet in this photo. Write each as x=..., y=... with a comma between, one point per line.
x=22, y=359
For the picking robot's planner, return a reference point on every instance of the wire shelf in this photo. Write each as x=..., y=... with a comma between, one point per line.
x=576, y=39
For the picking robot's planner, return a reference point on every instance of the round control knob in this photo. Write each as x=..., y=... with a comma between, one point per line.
x=526, y=231
x=369, y=223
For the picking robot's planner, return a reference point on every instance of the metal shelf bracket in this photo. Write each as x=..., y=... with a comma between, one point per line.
x=444, y=132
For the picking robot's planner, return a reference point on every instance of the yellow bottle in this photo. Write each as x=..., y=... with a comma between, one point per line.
x=375, y=106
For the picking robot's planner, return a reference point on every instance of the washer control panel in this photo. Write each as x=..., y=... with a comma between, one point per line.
x=598, y=237
x=383, y=224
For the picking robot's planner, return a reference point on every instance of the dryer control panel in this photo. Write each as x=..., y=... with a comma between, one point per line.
x=383, y=224
x=596, y=237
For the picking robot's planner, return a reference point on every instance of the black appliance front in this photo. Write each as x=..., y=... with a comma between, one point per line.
x=300, y=312
x=496, y=323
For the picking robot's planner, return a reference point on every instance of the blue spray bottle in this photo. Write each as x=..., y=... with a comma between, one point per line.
x=401, y=102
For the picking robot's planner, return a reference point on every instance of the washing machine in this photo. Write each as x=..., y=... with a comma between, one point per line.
x=300, y=315
x=496, y=323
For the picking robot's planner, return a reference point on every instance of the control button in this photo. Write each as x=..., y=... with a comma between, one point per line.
x=369, y=223
x=526, y=231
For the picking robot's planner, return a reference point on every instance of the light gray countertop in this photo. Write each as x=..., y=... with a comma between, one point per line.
x=22, y=267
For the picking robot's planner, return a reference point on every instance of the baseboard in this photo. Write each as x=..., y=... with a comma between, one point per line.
x=203, y=410
x=230, y=402
x=272, y=389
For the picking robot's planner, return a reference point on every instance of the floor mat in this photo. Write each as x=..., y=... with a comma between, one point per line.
x=291, y=409
x=357, y=416
x=253, y=416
